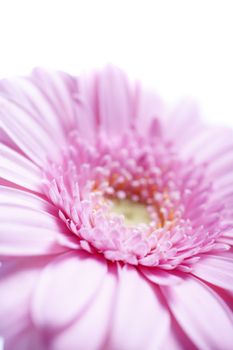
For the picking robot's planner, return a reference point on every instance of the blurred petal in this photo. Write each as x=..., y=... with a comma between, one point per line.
x=115, y=106
x=141, y=320
x=25, y=93
x=201, y=314
x=19, y=170
x=66, y=288
x=162, y=277
x=26, y=228
x=17, y=280
x=59, y=89
x=26, y=132
x=148, y=107
x=90, y=330
x=184, y=117
x=26, y=338
x=17, y=197
x=216, y=269
x=177, y=339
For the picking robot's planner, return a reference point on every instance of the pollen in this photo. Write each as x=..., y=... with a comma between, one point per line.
x=134, y=213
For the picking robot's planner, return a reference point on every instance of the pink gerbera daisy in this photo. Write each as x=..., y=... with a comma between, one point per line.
x=116, y=218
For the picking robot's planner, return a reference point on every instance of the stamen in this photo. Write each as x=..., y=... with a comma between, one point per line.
x=132, y=202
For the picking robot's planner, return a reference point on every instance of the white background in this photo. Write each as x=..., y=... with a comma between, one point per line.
x=177, y=47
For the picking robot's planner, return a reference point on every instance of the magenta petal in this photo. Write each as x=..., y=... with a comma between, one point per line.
x=140, y=320
x=66, y=287
x=201, y=314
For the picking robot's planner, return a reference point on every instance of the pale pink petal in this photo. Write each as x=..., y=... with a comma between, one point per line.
x=20, y=198
x=184, y=117
x=177, y=339
x=87, y=105
x=26, y=338
x=201, y=314
x=103, y=101
x=19, y=170
x=7, y=141
x=216, y=152
x=115, y=107
x=216, y=269
x=59, y=88
x=66, y=287
x=25, y=93
x=27, y=133
x=207, y=143
x=91, y=330
x=148, y=106
x=162, y=277
x=15, y=198
x=25, y=230
x=17, y=279
x=99, y=137
x=140, y=320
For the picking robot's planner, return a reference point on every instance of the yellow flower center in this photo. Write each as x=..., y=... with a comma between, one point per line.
x=134, y=213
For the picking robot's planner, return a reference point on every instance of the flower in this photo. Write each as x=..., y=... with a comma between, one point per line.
x=116, y=218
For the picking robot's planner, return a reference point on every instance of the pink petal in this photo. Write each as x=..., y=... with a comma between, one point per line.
x=59, y=88
x=177, y=339
x=17, y=280
x=162, y=277
x=201, y=314
x=140, y=321
x=216, y=269
x=90, y=330
x=87, y=105
x=185, y=116
x=25, y=93
x=66, y=287
x=7, y=141
x=21, y=198
x=148, y=106
x=25, y=338
x=27, y=133
x=218, y=151
x=202, y=147
x=19, y=170
x=27, y=229
x=115, y=110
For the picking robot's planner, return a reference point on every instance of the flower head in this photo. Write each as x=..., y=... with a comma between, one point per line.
x=116, y=218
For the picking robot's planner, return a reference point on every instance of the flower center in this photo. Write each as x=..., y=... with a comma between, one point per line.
x=134, y=213
x=132, y=200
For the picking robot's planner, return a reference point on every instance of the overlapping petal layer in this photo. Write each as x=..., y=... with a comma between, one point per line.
x=73, y=275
